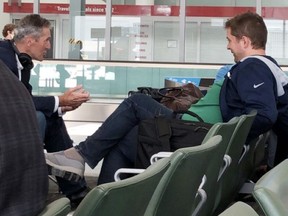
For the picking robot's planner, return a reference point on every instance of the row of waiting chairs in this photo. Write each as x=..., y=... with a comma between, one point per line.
x=149, y=193
x=170, y=186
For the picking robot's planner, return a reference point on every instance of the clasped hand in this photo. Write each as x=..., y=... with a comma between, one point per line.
x=73, y=98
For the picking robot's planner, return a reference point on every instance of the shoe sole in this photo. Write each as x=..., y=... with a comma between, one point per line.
x=68, y=173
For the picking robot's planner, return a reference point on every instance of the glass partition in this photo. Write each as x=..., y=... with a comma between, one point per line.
x=113, y=80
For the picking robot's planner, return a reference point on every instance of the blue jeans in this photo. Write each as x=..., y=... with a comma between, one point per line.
x=116, y=139
x=42, y=123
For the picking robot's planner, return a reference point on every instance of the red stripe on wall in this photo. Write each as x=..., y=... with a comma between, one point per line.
x=275, y=12
x=153, y=10
x=217, y=11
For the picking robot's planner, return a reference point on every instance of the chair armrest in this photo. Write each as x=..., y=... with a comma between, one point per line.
x=203, y=199
x=204, y=180
x=126, y=170
x=244, y=152
x=203, y=196
x=227, y=160
x=159, y=155
x=59, y=207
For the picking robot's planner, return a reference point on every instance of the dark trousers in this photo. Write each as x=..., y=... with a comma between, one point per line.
x=281, y=130
x=116, y=139
x=58, y=139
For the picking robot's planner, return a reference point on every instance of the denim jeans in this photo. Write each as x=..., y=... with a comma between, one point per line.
x=116, y=139
x=42, y=123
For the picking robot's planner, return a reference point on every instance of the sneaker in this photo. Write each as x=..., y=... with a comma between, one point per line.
x=61, y=166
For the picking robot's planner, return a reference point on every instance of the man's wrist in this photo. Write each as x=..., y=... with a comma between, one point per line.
x=56, y=105
x=60, y=112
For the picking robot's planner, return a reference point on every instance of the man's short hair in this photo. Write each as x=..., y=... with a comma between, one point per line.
x=31, y=24
x=251, y=25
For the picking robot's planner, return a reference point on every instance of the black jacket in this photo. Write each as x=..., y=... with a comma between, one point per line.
x=23, y=170
x=7, y=55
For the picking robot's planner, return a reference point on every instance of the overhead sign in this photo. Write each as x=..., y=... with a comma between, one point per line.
x=137, y=10
x=148, y=10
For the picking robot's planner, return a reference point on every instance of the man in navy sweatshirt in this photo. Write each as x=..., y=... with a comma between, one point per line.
x=255, y=81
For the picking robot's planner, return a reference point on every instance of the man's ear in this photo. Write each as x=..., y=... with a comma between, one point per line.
x=246, y=41
x=29, y=40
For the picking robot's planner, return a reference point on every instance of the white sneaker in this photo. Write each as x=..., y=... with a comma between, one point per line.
x=61, y=166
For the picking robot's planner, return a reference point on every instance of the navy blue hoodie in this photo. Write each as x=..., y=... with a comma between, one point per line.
x=251, y=85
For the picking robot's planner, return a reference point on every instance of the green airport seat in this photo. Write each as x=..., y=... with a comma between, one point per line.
x=239, y=209
x=177, y=190
x=128, y=197
x=229, y=185
x=59, y=207
x=271, y=191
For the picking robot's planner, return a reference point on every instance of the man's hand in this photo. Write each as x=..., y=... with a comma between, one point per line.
x=74, y=97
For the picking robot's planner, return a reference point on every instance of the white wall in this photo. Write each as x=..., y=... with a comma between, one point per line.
x=5, y=17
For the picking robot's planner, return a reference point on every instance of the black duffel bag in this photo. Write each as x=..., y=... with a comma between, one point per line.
x=152, y=92
x=163, y=134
